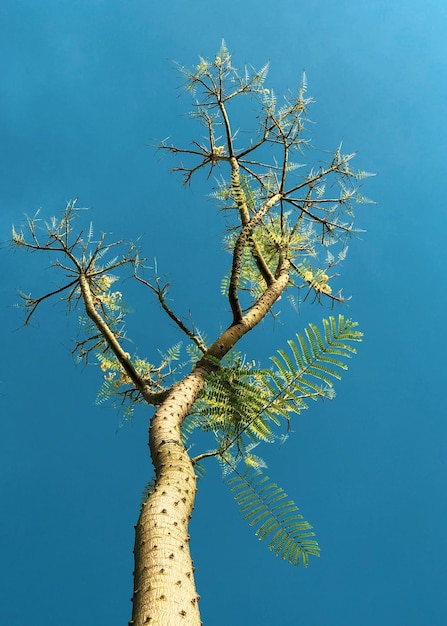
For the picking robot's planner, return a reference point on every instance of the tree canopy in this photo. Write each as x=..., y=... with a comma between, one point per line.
x=286, y=228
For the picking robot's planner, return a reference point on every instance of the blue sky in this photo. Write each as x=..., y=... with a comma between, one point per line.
x=87, y=89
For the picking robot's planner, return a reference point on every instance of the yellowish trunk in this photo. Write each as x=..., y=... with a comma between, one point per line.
x=164, y=588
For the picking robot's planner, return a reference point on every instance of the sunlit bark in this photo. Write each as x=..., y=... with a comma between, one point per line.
x=164, y=588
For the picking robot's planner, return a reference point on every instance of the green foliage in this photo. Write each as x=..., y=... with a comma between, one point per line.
x=313, y=362
x=113, y=309
x=117, y=384
x=242, y=406
x=235, y=402
x=274, y=237
x=266, y=507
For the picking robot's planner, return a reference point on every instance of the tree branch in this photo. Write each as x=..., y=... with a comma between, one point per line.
x=160, y=293
x=237, y=255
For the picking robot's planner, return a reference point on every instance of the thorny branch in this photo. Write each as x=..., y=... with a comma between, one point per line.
x=270, y=176
x=160, y=292
x=90, y=282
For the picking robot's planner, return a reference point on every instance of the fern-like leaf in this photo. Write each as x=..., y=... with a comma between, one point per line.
x=314, y=362
x=241, y=405
x=266, y=507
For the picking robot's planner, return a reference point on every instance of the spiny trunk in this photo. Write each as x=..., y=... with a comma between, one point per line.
x=164, y=587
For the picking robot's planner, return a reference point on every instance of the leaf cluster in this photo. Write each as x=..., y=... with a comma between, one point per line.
x=266, y=507
x=243, y=406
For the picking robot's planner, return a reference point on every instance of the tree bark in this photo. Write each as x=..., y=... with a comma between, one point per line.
x=164, y=587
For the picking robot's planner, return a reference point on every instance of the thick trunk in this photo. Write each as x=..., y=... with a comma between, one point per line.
x=164, y=588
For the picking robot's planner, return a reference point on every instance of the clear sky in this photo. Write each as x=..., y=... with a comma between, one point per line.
x=87, y=89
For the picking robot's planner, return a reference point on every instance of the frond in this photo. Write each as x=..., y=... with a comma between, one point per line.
x=18, y=238
x=361, y=174
x=234, y=407
x=193, y=352
x=242, y=405
x=223, y=53
x=291, y=167
x=233, y=403
x=342, y=255
x=314, y=360
x=106, y=391
x=269, y=101
x=303, y=87
x=361, y=199
x=259, y=77
x=266, y=507
x=90, y=233
x=173, y=353
x=254, y=461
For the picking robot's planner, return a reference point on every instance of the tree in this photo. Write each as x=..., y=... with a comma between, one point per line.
x=279, y=224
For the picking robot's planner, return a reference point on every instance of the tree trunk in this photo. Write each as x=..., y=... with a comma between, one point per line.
x=164, y=587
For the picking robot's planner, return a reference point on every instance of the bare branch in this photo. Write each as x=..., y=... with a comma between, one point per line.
x=33, y=303
x=160, y=293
